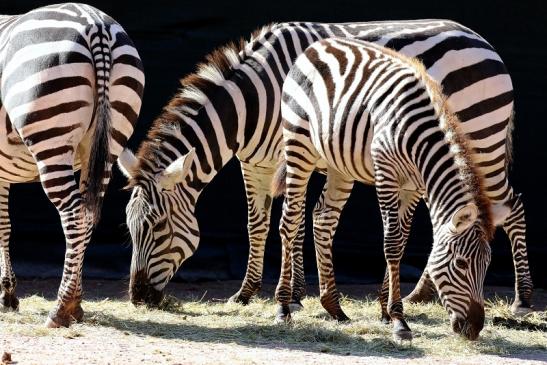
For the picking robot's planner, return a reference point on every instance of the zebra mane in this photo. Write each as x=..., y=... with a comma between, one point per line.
x=219, y=66
x=459, y=146
x=449, y=124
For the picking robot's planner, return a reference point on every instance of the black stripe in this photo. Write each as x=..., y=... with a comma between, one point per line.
x=126, y=110
x=436, y=52
x=466, y=76
x=36, y=36
x=131, y=83
x=42, y=63
x=43, y=114
x=485, y=106
x=489, y=131
x=47, y=88
x=44, y=155
x=49, y=133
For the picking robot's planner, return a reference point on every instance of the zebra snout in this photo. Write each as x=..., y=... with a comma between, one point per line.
x=142, y=292
x=471, y=326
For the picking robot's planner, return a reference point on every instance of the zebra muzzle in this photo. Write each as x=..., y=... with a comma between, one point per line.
x=141, y=292
x=471, y=326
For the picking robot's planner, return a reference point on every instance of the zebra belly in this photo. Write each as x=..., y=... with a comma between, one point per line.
x=352, y=163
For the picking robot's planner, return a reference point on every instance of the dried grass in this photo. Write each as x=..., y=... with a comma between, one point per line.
x=196, y=320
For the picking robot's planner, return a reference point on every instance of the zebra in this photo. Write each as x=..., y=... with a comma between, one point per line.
x=375, y=116
x=71, y=84
x=231, y=107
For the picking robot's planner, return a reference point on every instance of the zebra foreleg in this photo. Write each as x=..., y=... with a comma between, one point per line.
x=259, y=203
x=391, y=207
x=8, y=300
x=409, y=200
x=515, y=227
x=326, y=216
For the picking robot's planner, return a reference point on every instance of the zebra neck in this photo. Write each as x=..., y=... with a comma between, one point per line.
x=450, y=178
x=208, y=131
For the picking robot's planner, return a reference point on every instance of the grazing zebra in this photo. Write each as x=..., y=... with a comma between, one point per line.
x=71, y=88
x=375, y=116
x=231, y=107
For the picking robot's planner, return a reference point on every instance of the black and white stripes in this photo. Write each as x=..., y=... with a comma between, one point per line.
x=376, y=117
x=71, y=89
x=231, y=107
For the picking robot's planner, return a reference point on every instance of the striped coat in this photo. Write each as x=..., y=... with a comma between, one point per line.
x=375, y=116
x=231, y=107
x=71, y=83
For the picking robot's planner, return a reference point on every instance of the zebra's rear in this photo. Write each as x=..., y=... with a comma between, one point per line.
x=71, y=90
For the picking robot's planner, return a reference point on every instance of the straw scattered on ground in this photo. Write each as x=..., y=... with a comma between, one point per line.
x=182, y=326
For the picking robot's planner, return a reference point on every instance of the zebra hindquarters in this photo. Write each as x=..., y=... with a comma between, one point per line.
x=52, y=124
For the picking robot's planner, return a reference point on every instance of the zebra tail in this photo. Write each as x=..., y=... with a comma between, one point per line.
x=98, y=160
x=99, y=157
x=279, y=183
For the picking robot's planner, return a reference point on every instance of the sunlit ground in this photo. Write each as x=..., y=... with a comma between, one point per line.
x=196, y=320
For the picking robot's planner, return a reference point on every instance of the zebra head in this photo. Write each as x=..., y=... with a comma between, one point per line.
x=458, y=263
x=161, y=221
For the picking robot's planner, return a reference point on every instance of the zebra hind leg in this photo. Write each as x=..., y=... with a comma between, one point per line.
x=326, y=217
x=515, y=227
x=8, y=299
x=77, y=225
x=259, y=202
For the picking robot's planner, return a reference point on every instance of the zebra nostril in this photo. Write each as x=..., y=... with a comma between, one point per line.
x=138, y=287
x=475, y=319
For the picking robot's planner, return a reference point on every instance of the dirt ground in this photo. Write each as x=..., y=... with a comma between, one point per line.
x=119, y=343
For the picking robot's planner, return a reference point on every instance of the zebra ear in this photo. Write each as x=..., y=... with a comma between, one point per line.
x=500, y=213
x=127, y=163
x=463, y=218
x=176, y=171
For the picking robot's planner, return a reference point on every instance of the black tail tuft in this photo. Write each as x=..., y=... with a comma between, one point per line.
x=99, y=158
x=279, y=183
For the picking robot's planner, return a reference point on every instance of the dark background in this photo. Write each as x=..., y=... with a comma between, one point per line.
x=173, y=36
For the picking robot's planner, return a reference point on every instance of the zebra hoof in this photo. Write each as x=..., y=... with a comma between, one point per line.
x=78, y=313
x=51, y=323
x=8, y=302
x=401, y=336
x=341, y=317
x=283, y=315
x=521, y=309
x=59, y=318
x=401, y=331
x=239, y=299
x=295, y=306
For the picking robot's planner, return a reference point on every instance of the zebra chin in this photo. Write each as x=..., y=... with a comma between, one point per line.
x=471, y=326
x=141, y=292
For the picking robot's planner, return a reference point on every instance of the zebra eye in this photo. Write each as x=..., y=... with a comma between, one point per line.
x=461, y=264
